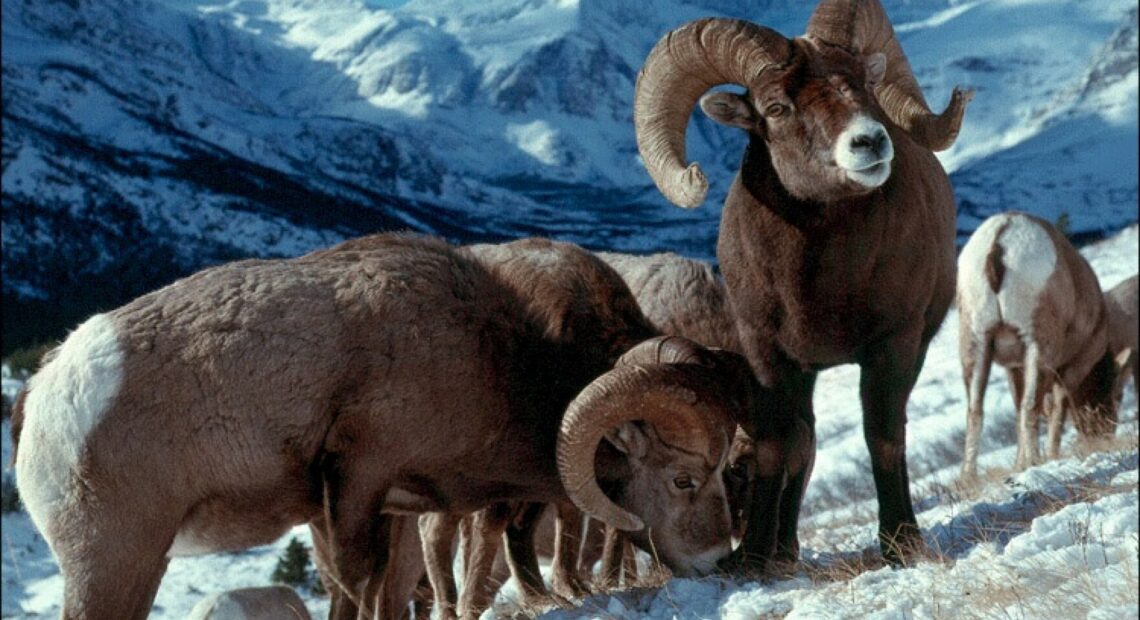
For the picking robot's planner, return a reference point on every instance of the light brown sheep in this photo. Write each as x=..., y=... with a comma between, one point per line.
x=390, y=374
x=1123, y=324
x=1030, y=302
x=267, y=603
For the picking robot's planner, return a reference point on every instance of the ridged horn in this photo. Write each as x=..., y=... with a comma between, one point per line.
x=677, y=400
x=667, y=350
x=683, y=65
x=862, y=27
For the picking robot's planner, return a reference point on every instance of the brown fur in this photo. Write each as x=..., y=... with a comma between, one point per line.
x=1069, y=336
x=1121, y=303
x=845, y=276
x=262, y=394
x=995, y=269
x=678, y=294
x=683, y=297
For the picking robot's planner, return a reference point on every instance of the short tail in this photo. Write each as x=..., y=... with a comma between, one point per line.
x=995, y=268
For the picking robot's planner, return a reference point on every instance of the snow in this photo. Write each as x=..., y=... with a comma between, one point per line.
x=1058, y=539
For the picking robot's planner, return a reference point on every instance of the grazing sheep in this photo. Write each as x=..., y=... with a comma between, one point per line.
x=517, y=521
x=1029, y=301
x=391, y=374
x=680, y=296
x=1121, y=302
x=684, y=297
x=837, y=235
x=268, y=603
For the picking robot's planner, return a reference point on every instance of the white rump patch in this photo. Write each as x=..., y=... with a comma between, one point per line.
x=66, y=400
x=1029, y=259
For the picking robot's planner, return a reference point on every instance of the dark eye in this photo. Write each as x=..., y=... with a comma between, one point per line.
x=776, y=109
x=684, y=481
x=739, y=470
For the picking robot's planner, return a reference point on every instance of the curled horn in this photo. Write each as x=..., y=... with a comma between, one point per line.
x=667, y=350
x=683, y=65
x=675, y=399
x=862, y=27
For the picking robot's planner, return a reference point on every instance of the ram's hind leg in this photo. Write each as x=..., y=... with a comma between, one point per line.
x=487, y=531
x=437, y=534
x=110, y=571
x=565, y=577
x=976, y=363
x=1057, y=411
x=1029, y=410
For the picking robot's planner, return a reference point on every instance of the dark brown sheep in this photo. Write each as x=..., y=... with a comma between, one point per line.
x=837, y=236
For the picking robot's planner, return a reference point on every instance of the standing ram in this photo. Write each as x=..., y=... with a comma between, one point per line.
x=391, y=374
x=837, y=235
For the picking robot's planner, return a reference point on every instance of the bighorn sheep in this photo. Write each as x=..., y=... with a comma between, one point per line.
x=268, y=603
x=517, y=521
x=388, y=374
x=684, y=297
x=837, y=236
x=1121, y=302
x=1029, y=301
x=680, y=296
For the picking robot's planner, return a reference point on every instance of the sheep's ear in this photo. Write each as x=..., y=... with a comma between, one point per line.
x=876, y=67
x=630, y=439
x=729, y=109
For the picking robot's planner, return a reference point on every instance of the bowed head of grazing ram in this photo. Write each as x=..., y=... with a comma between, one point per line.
x=837, y=235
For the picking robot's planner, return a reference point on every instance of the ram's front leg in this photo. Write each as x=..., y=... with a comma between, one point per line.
x=781, y=428
x=758, y=546
x=405, y=568
x=888, y=374
x=521, y=554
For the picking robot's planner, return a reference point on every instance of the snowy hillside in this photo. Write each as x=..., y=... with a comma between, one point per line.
x=143, y=139
x=1059, y=540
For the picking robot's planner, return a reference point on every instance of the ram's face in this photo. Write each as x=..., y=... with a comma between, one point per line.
x=819, y=120
x=681, y=497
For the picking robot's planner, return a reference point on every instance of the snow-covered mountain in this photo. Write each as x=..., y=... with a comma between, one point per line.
x=143, y=139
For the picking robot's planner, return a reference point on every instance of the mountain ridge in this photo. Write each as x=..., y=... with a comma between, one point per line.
x=195, y=132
